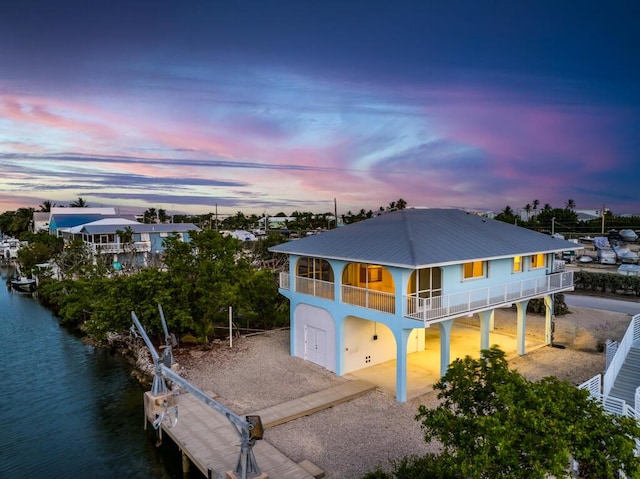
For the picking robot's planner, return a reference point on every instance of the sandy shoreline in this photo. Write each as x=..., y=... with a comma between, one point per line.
x=353, y=438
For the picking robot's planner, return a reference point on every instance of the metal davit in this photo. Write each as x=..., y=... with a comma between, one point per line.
x=248, y=428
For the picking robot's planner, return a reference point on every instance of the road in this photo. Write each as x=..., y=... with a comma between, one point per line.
x=607, y=304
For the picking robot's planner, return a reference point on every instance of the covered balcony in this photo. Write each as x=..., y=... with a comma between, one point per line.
x=112, y=248
x=469, y=302
x=438, y=307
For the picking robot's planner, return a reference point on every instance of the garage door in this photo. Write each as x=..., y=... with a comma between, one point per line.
x=315, y=345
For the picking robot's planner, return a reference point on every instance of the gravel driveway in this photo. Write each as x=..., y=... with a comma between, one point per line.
x=353, y=438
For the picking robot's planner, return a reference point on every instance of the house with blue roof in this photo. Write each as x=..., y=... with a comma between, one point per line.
x=363, y=294
x=60, y=217
x=127, y=241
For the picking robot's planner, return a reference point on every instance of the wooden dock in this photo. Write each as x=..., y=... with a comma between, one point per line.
x=211, y=443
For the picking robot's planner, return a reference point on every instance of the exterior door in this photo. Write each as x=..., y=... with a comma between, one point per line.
x=315, y=345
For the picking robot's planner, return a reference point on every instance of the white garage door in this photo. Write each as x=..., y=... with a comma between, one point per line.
x=315, y=345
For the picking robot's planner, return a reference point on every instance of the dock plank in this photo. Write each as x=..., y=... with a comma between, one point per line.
x=211, y=442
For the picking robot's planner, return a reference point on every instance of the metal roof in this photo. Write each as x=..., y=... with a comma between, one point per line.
x=416, y=238
x=93, y=229
x=67, y=221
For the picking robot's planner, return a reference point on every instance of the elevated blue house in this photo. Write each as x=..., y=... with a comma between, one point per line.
x=108, y=237
x=363, y=294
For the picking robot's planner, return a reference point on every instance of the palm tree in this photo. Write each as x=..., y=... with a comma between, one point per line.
x=21, y=221
x=527, y=208
x=401, y=204
x=570, y=204
x=536, y=203
x=79, y=203
x=149, y=216
x=46, y=206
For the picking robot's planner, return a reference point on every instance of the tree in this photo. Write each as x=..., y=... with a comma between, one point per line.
x=46, y=206
x=75, y=260
x=493, y=423
x=506, y=215
x=536, y=203
x=79, y=203
x=16, y=223
x=401, y=204
x=150, y=216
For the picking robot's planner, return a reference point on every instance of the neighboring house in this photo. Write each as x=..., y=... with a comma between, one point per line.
x=69, y=217
x=105, y=237
x=40, y=221
x=364, y=294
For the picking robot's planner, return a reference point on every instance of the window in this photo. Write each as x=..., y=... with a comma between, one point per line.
x=517, y=264
x=314, y=268
x=370, y=273
x=537, y=261
x=474, y=269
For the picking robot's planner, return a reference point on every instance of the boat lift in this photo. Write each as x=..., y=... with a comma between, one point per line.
x=248, y=428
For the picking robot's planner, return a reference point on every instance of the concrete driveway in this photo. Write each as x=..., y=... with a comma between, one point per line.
x=423, y=368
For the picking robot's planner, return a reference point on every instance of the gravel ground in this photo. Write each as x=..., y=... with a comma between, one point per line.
x=353, y=438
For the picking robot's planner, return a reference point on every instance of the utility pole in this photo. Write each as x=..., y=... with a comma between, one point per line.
x=553, y=226
x=603, y=219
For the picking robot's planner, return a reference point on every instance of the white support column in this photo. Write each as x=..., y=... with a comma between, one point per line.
x=548, y=303
x=445, y=345
x=521, y=326
x=340, y=343
x=402, y=337
x=486, y=320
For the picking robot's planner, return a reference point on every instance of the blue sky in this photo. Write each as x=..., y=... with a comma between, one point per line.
x=283, y=106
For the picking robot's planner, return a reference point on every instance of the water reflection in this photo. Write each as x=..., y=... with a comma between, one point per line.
x=69, y=409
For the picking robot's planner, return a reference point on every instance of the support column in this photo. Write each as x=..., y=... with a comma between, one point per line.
x=402, y=337
x=186, y=464
x=340, y=347
x=521, y=326
x=548, y=319
x=486, y=322
x=445, y=345
x=292, y=327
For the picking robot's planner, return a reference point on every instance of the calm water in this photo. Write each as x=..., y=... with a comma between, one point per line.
x=67, y=409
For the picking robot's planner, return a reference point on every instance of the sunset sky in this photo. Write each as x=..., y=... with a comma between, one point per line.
x=269, y=106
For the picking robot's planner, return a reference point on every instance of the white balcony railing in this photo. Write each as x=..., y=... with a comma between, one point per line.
x=109, y=248
x=369, y=298
x=284, y=280
x=464, y=302
x=430, y=309
x=315, y=287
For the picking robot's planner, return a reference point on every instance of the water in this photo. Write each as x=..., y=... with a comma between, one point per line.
x=68, y=409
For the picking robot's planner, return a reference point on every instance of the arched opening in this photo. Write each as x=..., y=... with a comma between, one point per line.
x=314, y=276
x=369, y=286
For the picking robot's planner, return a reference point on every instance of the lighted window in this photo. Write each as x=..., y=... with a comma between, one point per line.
x=517, y=264
x=537, y=261
x=475, y=269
